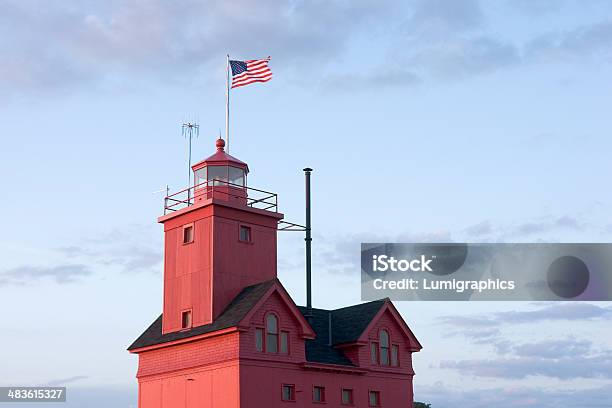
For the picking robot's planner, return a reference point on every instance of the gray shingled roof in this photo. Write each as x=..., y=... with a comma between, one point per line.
x=346, y=323
x=230, y=317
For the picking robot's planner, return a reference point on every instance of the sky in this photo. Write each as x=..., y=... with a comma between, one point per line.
x=438, y=121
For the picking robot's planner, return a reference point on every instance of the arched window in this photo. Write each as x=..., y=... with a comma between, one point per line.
x=272, y=334
x=383, y=338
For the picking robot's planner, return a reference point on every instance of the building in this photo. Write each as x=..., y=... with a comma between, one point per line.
x=231, y=336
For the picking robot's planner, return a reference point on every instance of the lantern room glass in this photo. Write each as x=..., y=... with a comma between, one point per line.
x=199, y=176
x=220, y=176
x=236, y=176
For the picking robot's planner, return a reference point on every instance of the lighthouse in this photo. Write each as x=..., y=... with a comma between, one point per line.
x=231, y=336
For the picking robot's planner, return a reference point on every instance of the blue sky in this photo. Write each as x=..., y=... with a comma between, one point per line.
x=424, y=120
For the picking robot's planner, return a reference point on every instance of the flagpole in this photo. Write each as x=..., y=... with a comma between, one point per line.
x=227, y=106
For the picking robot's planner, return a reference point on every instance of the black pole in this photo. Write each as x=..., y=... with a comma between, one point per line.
x=308, y=240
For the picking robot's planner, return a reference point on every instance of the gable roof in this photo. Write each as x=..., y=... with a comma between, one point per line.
x=319, y=350
x=350, y=322
x=388, y=307
x=347, y=324
x=231, y=317
x=306, y=330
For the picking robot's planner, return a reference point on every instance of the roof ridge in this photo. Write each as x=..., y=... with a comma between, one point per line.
x=360, y=304
x=315, y=308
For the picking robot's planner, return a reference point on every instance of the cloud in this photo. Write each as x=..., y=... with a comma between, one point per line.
x=132, y=248
x=468, y=321
x=539, y=226
x=445, y=15
x=560, y=358
x=380, y=78
x=77, y=43
x=449, y=39
x=459, y=58
x=129, y=258
x=480, y=229
x=61, y=274
x=557, y=312
x=63, y=381
x=564, y=368
x=553, y=349
x=344, y=251
x=486, y=329
x=583, y=41
x=87, y=42
x=452, y=40
x=73, y=44
x=440, y=395
x=537, y=8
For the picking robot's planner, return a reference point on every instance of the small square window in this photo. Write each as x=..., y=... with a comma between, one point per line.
x=259, y=339
x=318, y=394
x=347, y=396
x=188, y=234
x=245, y=233
x=374, y=399
x=186, y=319
x=288, y=392
x=284, y=342
x=395, y=355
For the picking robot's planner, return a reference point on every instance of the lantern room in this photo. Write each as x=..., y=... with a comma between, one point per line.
x=220, y=176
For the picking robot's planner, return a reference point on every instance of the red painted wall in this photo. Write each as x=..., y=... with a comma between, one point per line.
x=387, y=322
x=227, y=371
x=198, y=374
x=360, y=355
x=218, y=349
x=216, y=386
x=286, y=322
x=261, y=387
x=205, y=275
x=262, y=374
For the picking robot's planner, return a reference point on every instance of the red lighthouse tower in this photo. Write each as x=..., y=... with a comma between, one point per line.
x=217, y=245
x=231, y=336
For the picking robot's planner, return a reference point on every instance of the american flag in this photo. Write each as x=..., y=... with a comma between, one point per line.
x=247, y=72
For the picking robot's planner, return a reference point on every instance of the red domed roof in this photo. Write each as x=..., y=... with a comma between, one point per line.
x=220, y=158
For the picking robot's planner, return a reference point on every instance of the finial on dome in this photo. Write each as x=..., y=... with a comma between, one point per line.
x=220, y=144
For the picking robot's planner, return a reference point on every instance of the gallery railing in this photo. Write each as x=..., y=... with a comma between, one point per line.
x=252, y=197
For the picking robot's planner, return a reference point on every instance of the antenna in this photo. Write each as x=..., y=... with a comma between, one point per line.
x=190, y=130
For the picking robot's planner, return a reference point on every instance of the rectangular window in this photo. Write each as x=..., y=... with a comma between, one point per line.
x=374, y=399
x=384, y=355
x=288, y=392
x=245, y=233
x=186, y=319
x=271, y=334
x=284, y=342
x=395, y=355
x=259, y=339
x=347, y=396
x=318, y=394
x=374, y=353
x=188, y=234
x=272, y=343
